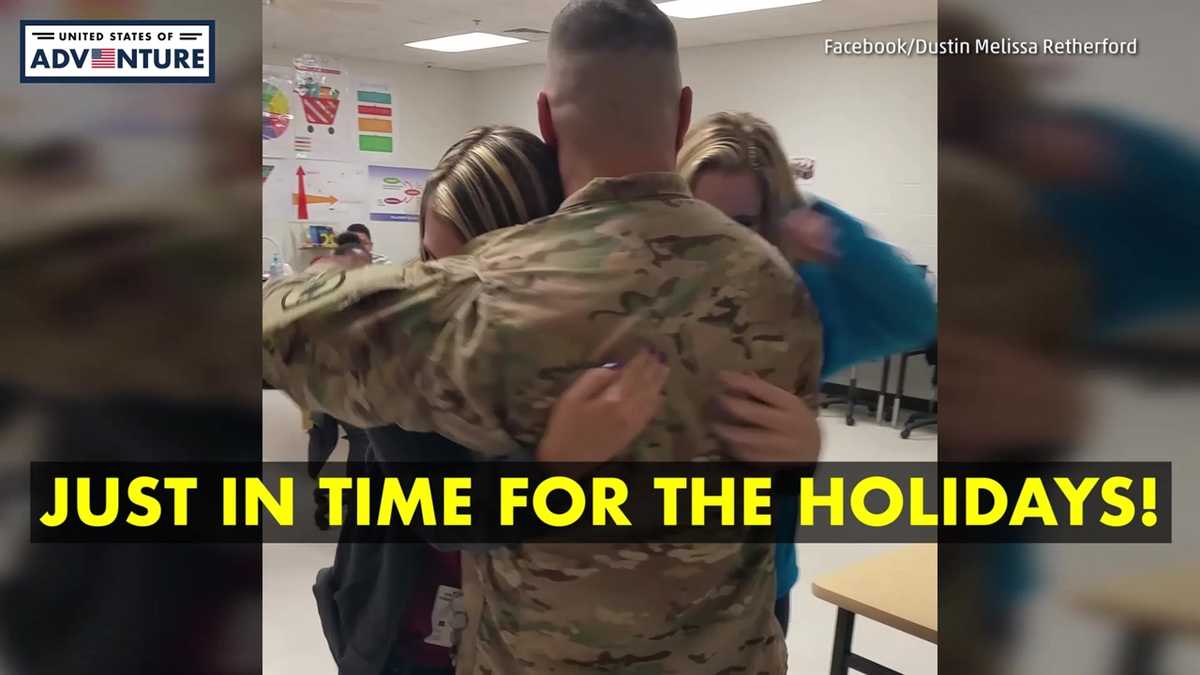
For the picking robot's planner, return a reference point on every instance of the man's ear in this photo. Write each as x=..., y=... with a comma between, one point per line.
x=685, y=116
x=545, y=121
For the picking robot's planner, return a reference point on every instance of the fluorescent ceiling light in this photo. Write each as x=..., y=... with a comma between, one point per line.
x=466, y=42
x=697, y=9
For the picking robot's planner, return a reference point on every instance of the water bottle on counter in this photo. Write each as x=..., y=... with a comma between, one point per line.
x=279, y=268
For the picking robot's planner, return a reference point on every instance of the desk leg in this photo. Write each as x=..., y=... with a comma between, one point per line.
x=899, y=390
x=842, y=637
x=851, y=394
x=883, y=383
x=1139, y=653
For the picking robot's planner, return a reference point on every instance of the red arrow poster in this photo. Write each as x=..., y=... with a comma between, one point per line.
x=301, y=198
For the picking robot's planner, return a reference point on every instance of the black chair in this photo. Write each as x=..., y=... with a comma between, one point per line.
x=920, y=420
x=848, y=400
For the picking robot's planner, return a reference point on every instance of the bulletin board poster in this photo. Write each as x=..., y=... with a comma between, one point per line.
x=374, y=107
x=324, y=117
x=316, y=190
x=308, y=111
x=278, y=114
x=395, y=193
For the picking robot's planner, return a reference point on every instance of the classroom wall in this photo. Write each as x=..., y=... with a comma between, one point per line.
x=870, y=123
x=430, y=111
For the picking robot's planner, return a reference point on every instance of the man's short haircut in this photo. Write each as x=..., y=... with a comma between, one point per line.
x=359, y=227
x=612, y=25
x=348, y=237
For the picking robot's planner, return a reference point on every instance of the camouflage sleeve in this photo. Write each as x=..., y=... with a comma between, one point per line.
x=115, y=294
x=389, y=344
x=808, y=379
x=773, y=286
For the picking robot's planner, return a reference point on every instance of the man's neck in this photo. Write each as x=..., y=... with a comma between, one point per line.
x=577, y=170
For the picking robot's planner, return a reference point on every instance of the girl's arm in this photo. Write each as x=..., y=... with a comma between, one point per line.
x=872, y=301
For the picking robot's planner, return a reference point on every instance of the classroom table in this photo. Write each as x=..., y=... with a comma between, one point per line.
x=897, y=589
x=1151, y=606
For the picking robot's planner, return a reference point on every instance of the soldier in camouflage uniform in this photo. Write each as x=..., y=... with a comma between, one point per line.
x=478, y=348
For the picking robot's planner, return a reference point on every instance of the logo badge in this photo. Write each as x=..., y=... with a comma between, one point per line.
x=119, y=50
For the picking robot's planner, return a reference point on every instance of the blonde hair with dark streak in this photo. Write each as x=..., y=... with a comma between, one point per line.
x=495, y=177
x=735, y=142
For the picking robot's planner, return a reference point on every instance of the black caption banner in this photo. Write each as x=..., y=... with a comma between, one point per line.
x=459, y=504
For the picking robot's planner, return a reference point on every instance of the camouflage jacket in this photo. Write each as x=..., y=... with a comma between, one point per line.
x=113, y=293
x=478, y=347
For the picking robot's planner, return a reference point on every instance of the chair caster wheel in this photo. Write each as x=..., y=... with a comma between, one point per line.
x=850, y=421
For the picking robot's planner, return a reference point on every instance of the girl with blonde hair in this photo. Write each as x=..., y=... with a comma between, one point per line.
x=872, y=301
x=494, y=177
x=736, y=162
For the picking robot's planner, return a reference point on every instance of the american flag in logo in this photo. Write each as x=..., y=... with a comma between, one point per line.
x=104, y=58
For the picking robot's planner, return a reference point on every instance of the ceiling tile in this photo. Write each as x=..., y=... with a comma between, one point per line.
x=378, y=29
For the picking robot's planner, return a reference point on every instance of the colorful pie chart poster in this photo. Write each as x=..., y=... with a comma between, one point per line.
x=395, y=193
x=278, y=114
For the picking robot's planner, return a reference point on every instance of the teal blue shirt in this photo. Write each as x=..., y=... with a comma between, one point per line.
x=873, y=302
x=1137, y=236
x=1137, y=232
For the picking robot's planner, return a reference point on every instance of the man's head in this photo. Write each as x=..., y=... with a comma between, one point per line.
x=613, y=102
x=352, y=254
x=348, y=238
x=363, y=234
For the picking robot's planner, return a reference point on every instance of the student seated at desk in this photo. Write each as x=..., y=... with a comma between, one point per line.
x=364, y=236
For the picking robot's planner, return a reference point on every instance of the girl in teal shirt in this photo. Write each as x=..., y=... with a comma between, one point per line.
x=872, y=302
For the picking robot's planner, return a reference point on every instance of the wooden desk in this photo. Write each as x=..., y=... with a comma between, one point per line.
x=1151, y=606
x=898, y=589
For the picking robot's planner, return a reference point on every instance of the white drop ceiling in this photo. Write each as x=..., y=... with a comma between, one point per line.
x=378, y=29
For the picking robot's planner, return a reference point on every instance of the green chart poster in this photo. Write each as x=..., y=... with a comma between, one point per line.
x=374, y=118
